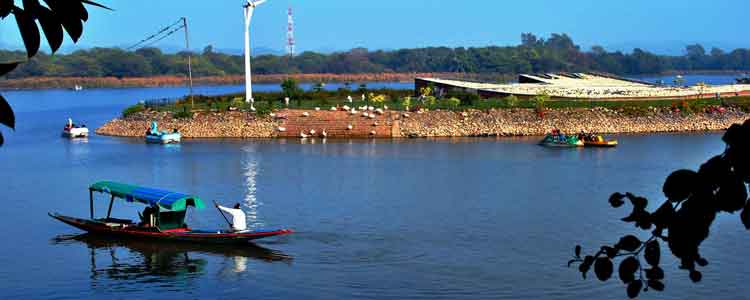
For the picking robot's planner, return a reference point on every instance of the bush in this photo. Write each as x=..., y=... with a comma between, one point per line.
x=452, y=103
x=467, y=99
x=133, y=109
x=511, y=101
x=184, y=113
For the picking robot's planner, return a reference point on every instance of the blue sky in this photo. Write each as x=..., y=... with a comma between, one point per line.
x=391, y=24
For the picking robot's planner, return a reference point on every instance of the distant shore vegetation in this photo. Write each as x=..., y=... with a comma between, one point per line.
x=557, y=53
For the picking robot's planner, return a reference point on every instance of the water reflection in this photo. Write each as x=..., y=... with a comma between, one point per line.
x=149, y=261
x=250, y=171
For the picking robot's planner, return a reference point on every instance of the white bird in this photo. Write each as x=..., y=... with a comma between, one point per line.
x=375, y=124
x=353, y=112
x=365, y=114
x=324, y=133
x=312, y=131
x=303, y=135
x=305, y=114
x=370, y=108
x=373, y=132
x=281, y=129
x=317, y=108
x=379, y=111
x=385, y=107
x=350, y=127
x=371, y=116
x=405, y=115
x=346, y=107
x=333, y=108
x=273, y=115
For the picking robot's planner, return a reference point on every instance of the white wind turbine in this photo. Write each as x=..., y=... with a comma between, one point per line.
x=249, y=7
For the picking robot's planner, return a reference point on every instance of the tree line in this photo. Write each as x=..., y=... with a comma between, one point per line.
x=557, y=53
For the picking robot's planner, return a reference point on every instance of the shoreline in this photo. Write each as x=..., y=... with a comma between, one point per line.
x=393, y=124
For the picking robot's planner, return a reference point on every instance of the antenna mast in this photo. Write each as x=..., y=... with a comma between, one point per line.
x=290, y=34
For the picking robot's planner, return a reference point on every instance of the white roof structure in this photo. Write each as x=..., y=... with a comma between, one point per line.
x=588, y=86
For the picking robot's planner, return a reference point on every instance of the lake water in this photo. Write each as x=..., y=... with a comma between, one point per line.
x=375, y=219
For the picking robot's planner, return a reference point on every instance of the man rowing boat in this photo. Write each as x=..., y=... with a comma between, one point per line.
x=238, y=217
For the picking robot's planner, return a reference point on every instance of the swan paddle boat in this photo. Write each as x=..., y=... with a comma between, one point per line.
x=154, y=136
x=163, y=219
x=74, y=131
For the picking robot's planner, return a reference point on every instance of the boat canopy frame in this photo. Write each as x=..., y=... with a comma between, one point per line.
x=165, y=200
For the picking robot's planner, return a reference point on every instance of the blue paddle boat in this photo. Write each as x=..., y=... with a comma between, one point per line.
x=154, y=136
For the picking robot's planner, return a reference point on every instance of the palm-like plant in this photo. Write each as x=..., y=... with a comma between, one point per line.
x=54, y=17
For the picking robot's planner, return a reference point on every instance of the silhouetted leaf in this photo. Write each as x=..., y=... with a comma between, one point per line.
x=679, y=184
x=656, y=285
x=6, y=68
x=627, y=269
x=5, y=7
x=629, y=243
x=69, y=14
x=732, y=194
x=638, y=202
x=29, y=32
x=586, y=265
x=652, y=253
x=695, y=276
x=701, y=262
x=733, y=135
x=655, y=273
x=616, y=200
x=577, y=251
x=745, y=215
x=51, y=27
x=603, y=268
x=570, y=262
x=2, y=140
x=663, y=215
x=7, y=117
x=610, y=251
x=95, y=4
x=634, y=288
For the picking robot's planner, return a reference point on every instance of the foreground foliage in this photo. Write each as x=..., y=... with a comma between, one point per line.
x=681, y=222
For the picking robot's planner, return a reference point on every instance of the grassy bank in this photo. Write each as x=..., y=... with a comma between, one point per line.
x=404, y=100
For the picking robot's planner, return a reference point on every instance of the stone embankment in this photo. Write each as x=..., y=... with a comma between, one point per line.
x=388, y=124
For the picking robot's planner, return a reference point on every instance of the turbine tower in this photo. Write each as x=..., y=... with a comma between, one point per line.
x=249, y=7
x=290, y=34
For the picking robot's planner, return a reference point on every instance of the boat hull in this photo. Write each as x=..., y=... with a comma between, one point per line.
x=180, y=235
x=169, y=138
x=76, y=133
x=605, y=144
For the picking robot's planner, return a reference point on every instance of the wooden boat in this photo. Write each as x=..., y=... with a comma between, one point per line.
x=74, y=131
x=165, y=220
x=154, y=136
x=556, y=141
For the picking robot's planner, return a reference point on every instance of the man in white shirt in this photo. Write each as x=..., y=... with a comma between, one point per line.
x=238, y=217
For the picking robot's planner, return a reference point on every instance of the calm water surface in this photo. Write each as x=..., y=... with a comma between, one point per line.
x=429, y=219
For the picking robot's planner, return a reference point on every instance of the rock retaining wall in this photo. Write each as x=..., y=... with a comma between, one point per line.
x=502, y=122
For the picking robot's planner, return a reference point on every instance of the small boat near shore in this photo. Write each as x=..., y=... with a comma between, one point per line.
x=562, y=141
x=73, y=131
x=154, y=136
x=597, y=141
x=165, y=220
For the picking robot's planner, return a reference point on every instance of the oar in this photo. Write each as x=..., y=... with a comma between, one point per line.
x=222, y=214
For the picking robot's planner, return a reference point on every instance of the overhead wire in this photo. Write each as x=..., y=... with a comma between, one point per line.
x=157, y=34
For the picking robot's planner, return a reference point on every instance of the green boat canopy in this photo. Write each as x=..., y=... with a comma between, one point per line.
x=167, y=200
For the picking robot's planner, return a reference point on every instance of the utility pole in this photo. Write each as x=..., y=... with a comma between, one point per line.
x=190, y=63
